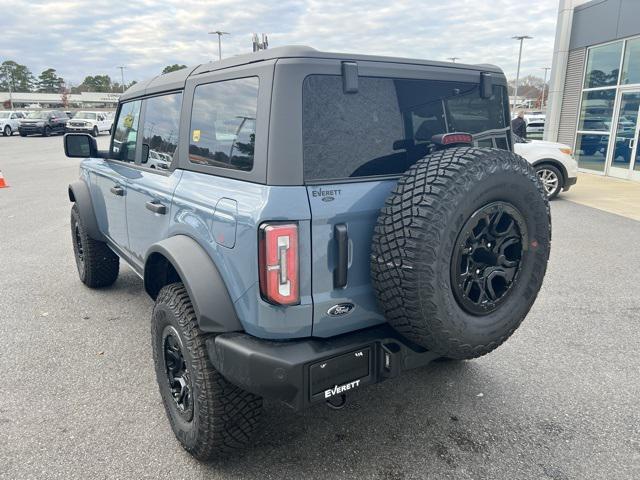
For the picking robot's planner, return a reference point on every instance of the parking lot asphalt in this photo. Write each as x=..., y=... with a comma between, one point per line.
x=559, y=400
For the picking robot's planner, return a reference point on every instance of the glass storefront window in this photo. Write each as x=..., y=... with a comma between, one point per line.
x=631, y=65
x=597, y=110
x=591, y=151
x=603, y=66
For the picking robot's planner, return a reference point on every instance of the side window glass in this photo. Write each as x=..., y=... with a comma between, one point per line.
x=223, y=124
x=160, y=132
x=125, y=136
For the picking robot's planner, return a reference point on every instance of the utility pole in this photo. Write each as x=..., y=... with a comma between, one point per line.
x=544, y=85
x=453, y=59
x=522, y=38
x=122, y=67
x=219, y=33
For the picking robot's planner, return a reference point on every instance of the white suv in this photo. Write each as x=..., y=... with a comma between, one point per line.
x=553, y=162
x=9, y=122
x=89, y=122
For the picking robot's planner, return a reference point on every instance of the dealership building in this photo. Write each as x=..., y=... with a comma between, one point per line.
x=594, y=96
x=89, y=100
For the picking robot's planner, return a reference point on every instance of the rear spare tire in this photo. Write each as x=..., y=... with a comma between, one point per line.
x=460, y=250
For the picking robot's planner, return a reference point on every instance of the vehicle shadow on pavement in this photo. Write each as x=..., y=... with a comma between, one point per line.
x=411, y=427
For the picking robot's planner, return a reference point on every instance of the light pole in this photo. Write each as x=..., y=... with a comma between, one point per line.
x=544, y=85
x=219, y=33
x=453, y=59
x=522, y=38
x=122, y=76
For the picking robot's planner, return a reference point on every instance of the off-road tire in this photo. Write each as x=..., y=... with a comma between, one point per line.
x=418, y=231
x=225, y=418
x=97, y=264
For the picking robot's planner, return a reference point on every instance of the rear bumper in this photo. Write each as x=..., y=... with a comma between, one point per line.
x=300, y=373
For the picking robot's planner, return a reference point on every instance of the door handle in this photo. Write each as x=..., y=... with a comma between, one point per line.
x=342, y=260
x=632, y=142
x=116, y=190
x=156, y=207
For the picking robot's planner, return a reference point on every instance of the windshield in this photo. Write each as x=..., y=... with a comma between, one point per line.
x=5, y=114
x=37, y=114
x=85, y=116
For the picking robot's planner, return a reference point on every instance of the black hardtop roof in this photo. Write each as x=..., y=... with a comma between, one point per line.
x=176, y=80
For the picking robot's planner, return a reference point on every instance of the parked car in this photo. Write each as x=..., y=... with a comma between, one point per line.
x=89, y=122
x=553, y=162
x=158, y=160
x=535, y=129
x=9, y=122
x=323, y=226
x=43, y=122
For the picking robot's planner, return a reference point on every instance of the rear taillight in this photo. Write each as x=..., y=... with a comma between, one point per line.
x=278, y=259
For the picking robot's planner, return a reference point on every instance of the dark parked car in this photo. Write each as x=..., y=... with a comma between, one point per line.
x=43, y=122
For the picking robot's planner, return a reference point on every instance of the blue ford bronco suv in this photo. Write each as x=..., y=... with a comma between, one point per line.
x=309, y=223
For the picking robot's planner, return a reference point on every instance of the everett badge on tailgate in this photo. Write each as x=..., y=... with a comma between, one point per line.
x=326, y=195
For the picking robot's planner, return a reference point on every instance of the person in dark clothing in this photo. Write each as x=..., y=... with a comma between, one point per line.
x=519, y=125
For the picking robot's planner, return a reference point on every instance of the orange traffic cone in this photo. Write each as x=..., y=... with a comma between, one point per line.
x=3, y=184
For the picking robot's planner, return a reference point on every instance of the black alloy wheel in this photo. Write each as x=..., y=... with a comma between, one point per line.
x=487, y=256
x=78, y=244
x=177, y=373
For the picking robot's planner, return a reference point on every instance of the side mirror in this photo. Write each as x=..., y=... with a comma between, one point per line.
x=80, y=145
x=145, y=153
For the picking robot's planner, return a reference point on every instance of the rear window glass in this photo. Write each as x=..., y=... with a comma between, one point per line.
x=387, y=125
x=223, y=124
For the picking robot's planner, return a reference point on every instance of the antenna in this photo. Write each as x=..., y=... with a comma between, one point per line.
x=260, y=43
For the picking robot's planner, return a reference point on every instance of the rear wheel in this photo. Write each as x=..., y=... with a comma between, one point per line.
x=551, y=178
x=94, y=132
x=7, y=131
x=97, y=264
x=209, y=416
x=460, y=250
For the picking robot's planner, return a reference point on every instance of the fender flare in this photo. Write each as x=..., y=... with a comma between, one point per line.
x=207, y=291
x=79, y=194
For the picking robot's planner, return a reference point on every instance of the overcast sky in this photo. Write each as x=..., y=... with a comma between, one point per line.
x=80, y=38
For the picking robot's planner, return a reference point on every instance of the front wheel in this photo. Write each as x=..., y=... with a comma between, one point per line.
x=94, y=132
x=209, y=416
x=97, y=264
x=551, y=179
x=46, y=132
x=7, y=131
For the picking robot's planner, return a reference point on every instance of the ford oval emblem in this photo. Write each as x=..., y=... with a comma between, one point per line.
x=341, y=309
